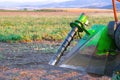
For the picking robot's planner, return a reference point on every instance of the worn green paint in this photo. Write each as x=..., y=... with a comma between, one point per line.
x=99, y=39
x=80, y=23
x=83, y=18
x=103, y=41
x=96, y=36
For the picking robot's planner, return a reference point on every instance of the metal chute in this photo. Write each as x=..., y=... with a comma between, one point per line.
x=83, y=56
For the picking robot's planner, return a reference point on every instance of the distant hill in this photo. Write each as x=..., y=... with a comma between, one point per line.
x=110, y=6
x=104, y=4
x=80, y=3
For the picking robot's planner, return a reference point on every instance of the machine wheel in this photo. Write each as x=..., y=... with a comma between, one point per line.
x=111, y=27
x=116, y=73
x=116, y=76
x=117, y=37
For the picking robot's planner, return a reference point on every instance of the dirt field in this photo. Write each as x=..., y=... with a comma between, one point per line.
x=22, y=61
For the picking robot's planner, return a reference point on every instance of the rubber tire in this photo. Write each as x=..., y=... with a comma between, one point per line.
x=117, y=37
x=116, y=76
x=111, y=26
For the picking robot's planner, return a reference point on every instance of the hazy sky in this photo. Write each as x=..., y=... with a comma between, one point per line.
x=35, y=0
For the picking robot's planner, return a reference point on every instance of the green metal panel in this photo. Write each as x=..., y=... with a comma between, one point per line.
x=102, y=41
x=105, y=43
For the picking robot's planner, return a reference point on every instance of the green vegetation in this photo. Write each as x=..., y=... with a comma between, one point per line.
x=29, y=28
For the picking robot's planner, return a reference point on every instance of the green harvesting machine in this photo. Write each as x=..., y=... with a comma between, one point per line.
x=97, y=52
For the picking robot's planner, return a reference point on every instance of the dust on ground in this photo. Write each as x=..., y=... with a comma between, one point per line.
x=29, y=61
